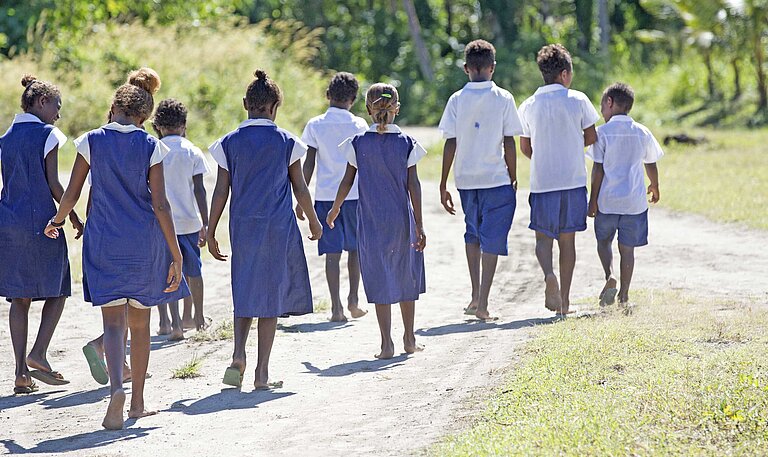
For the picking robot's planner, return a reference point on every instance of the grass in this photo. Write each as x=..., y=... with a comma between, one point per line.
x=681, y=376
x=224, y=331
x=189, y=370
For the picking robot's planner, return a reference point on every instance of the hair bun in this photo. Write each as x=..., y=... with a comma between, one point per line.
x=260, y=74
x=28, y=79
x=145, y=78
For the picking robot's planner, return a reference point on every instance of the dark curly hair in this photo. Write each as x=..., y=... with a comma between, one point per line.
x=622, y=95
x=262, y=92
x=343, y=87
x=170, y=114
x=552, y=60
x=479, y=54
x=34, y=89
x=134, y=98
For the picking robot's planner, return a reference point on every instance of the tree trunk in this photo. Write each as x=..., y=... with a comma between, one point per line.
x=736, y=78
x=605, y=28
x=422, y=53
x=585, y=12
x=759, y=61
x=710, y=74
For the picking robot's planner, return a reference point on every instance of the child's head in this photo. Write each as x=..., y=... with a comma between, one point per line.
x=40, y=98
x=383, y=104
x=170, y=118
x=134, y=99
x=263, y=97
x=479, y=60
x=342, y=91
x=617, y=99
x=555, y=64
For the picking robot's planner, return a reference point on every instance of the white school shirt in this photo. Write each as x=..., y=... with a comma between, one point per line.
x=55, y=138
x=184, y=160
x=83, y=147
x=479, y=116
x=623, y=146
x=217, y=149
x=554, y=118
x=325, y=133
x=417, y=153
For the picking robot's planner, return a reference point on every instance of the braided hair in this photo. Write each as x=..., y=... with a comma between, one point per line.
x=383, y=103
x=34, y=89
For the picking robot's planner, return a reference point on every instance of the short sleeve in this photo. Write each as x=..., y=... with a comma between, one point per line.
x=447, y=124
x=596, y=151
x=83, y=147
x=299, y=150
x=161, y=150
x=55, y=139
x=589, y=113
x=524, y=126
x=308, y=136
x=217, y=152
x=201, y=166
x=417, y=153
x=512, y=124
x=348, y=151
x=653, y=151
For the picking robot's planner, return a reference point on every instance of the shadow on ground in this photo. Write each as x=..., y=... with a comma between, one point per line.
x=226, y=400
x=90, y=440
x=346, y=369
x=476, y=325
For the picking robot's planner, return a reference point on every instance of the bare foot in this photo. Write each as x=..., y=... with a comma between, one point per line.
x=259, y=385
x=484, y=316
x=188, y=324
x=38, y=364
x=176, y=335
x=608, y=294
x=356, y=312
x=387, y=350
x=114, y=418
x=564, y=309
x=164, y=330
x=471, y=308
x=138, y=413
x=338, y=317
x=552, y=299
x=203, y=323
x=410, y=346
x=24, y=384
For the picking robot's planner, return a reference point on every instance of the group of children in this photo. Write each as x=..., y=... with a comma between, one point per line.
x=148, y=215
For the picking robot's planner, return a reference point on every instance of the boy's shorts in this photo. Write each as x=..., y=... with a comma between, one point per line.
x=560, y=211
x=488, y=216
x=632, y=228
x=343, y=237
x=193, y=265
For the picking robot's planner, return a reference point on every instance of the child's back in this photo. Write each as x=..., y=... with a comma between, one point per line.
x=183, y=162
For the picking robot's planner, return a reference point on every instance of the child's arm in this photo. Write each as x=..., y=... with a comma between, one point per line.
x=218, y=202
x=449, y=153
x=597, y=180
x=344, y=187
x=70, y=197
x=590, y=135
x=307, y=169
x=510, y=157
x=57, y=190
x=304, y=199
x=525, y=146
x=653, y=175
x=164, y=216
x=201, y=196
x=414, y=189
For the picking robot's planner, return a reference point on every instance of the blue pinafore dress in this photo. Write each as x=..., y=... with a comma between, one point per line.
x=392, y=270
x=125, y=254
x=269, y=270
x=31, y=264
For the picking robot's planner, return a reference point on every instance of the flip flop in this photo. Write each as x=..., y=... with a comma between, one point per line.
x=270, y=386
x=608, y=297
x=53, y=378
x=470, y=311
x=26, y=389
x=96, y=364
x=233, y=377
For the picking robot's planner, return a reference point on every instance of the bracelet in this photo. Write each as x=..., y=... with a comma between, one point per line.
x=53, y=223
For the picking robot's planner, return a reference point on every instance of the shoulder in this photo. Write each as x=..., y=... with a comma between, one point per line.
x=288, y=136
x=316, y=120
x=527, y=103
x=578, y=95
x=642, y=129
x=503, y=93
x=360, y=122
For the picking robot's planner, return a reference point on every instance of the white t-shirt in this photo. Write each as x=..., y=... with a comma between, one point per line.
x=554, y=118
x=217, y=149
x=623, y=146
x=325, y=133
x=84, y=147
x=479, y=116
x=55, y=138
x=417, y=153
x=184, y=160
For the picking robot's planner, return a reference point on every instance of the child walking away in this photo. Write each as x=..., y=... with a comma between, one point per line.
x=33, y=266
x=618, y=200
x=479, y=124
x=323, y=134
x=184, y=166
x=260, y=163
x=391, y=235
x=557, y=124
x=131, y=256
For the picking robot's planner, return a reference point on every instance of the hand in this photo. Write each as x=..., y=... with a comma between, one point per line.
x=174, y=276
x=316, y=228
x=213, y=248
x=447, y=201
x=299, y=212
x=51, y=231
x=332, y=215
x=77, y=224
x=653, y=191
x=514, y=184
x=592, y=211
x=201, y=237
x=421, y=240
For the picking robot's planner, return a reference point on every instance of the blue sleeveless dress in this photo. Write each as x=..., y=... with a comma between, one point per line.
x=392, y=270
x=269, y=270
x=124, y=252
x=31, y=264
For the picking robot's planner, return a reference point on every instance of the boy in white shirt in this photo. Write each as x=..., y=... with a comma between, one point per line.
x=557, y=124
x=185, y=166
x=323, y=134
x=479, y=124
x=618, y=201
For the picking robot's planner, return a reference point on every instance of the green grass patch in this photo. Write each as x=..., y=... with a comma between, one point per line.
x=322, y=305
x=678, y=377
x=224, y=331
x=188, y=370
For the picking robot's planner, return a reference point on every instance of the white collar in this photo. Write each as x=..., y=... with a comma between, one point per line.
x=621, y=118
x=122, y=128
x=178, y=138
x=255, y=122
x=550, y=88
x=26, y=117
x=333, y=109
x=391, y=128
x=479, y=85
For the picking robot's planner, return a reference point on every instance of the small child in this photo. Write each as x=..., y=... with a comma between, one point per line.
x=131, y=256
x=33, y=266
x=260, y=163
x=557, y=124
x=479, y=124
x=618, y=201
x=323, y=134
x=185, y=166
x=391, y=236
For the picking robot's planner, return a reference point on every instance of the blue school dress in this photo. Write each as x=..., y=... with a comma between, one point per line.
x=269, y=269
x=31, y=264
x=125, y=254
x=392, y=270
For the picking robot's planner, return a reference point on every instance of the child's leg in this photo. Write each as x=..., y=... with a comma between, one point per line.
x=332, y=273
x=267, y=327
x=544, y=244
x=165, y=321
x=627, y=254
x=567, y=245
x=489, y=262
x=114, y=319
x=187, y=321
x=177, y=332
x=196, y=287
x=473, y=262
x=605, y=252
x=138, y=321
x=18, y=319
x=38, y=356
x=242, y=328
x=408, y=310
x=384, y=316
x=353, y=266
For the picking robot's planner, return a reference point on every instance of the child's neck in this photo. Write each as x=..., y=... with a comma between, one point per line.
x=259, y=115
x=340, y=105
x=122, y=119
x=479, y=78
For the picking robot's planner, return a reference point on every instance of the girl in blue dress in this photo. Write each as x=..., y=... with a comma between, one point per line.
x=391, y=237
x=33, y=266
x=131, y=256
x=259, y=163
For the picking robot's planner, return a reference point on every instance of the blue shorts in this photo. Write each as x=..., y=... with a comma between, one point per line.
x=488, y=215
x=561, y=211
x=343, y=237
x=632, y=228
x=192, y=266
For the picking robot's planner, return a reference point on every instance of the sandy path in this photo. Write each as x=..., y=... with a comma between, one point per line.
x=337, y=399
